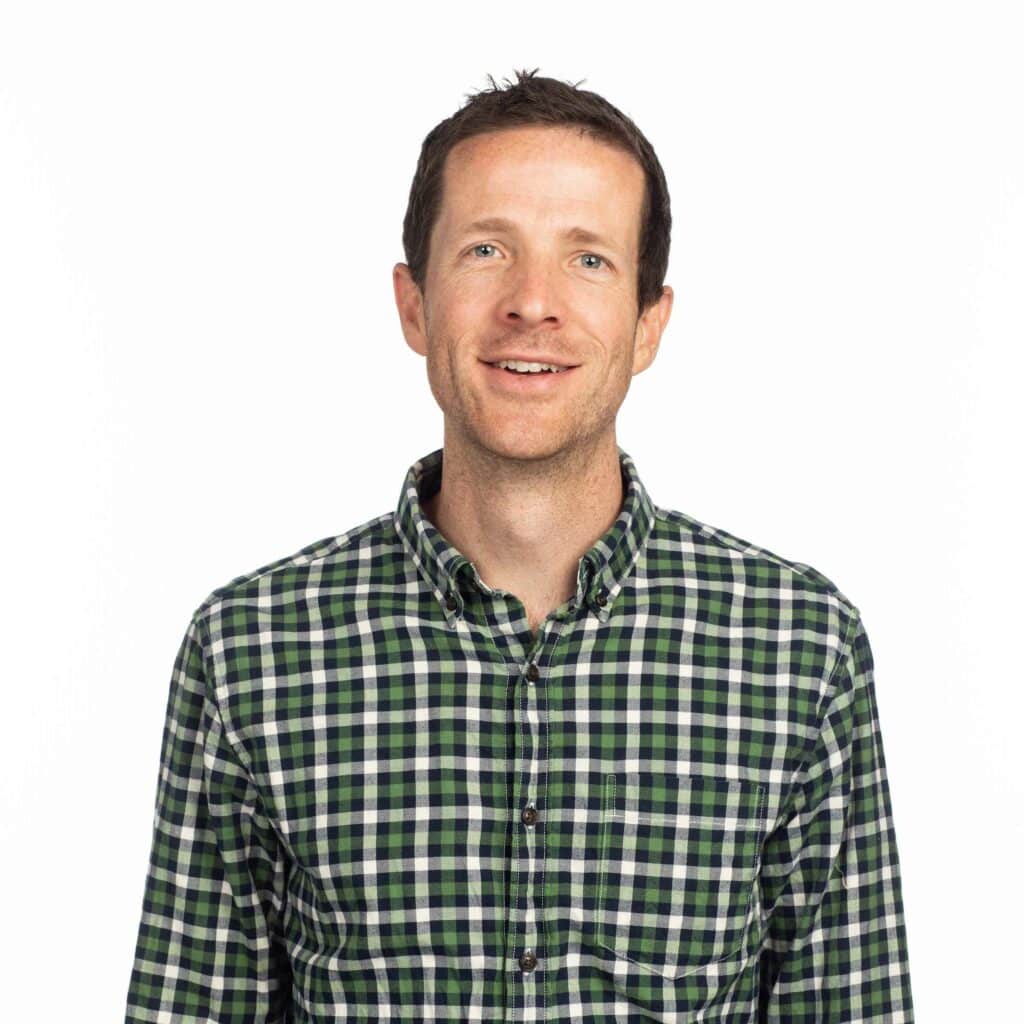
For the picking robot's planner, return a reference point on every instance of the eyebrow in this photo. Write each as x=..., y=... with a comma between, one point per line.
x=573, y=234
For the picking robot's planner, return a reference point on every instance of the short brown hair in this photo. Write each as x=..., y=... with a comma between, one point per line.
x=540, y=101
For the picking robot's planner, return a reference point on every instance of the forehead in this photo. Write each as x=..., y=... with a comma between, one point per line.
x=536, y=176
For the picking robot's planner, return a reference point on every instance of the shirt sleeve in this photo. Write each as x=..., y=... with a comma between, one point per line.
x=207, y=948
x=836, y=948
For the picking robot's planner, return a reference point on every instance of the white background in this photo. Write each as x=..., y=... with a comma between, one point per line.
x=203, y=371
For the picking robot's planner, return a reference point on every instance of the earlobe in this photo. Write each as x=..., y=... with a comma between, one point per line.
x=642, y=355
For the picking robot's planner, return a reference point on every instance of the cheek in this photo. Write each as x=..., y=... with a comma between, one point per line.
x=610, y=331
x=464, y=290
x=456, y=323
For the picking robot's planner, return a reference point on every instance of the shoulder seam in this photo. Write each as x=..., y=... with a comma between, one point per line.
x=308, y=555
x=811, y=575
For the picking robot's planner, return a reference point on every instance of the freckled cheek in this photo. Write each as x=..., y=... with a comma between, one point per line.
x=460, y=303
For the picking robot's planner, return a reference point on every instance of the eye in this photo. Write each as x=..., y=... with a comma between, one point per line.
x=587, y=255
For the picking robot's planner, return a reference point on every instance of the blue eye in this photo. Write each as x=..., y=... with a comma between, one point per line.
x=587, y=255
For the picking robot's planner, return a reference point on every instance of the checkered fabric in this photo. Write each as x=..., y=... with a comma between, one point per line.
x=382, y=798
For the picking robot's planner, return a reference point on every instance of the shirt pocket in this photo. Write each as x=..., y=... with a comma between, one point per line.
x=678, y=862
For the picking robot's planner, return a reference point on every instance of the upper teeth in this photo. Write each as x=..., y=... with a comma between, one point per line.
x=515, y=364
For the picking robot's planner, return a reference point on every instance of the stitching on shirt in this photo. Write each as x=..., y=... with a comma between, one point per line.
x=513, y=832
x=794, y=799
x=761, y=790
x=545, y=935
x=557, y=628
x=731, y=541
x=521, y=713
x=229, y=734
x=607, y=809
x=211, y=694
x=542, y=932
x=627, y=570
x=845, y=652
x=306, y=556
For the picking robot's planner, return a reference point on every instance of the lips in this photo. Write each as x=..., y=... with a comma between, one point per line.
x=536, y=357
x=528, y=383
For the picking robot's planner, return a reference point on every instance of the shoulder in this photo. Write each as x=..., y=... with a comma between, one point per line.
x=285, y=580
x=716, y=559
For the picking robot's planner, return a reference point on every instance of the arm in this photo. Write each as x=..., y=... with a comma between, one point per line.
x=206, y=948
x=837, y=948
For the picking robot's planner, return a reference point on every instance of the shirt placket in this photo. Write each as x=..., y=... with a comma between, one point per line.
x=527, y=944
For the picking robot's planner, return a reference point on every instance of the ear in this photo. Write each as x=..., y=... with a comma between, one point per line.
x=649, y=329
x=409, y=300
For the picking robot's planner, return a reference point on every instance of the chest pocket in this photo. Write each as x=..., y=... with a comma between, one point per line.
x=679, y=856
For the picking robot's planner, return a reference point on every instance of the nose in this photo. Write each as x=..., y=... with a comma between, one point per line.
x=533, y=297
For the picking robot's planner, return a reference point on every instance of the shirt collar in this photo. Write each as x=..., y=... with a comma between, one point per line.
x=602, y=570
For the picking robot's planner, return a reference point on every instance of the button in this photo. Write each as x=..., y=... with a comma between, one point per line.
x=602, y=597
x=532, y=672
x=528, y=960
x=449, y=601
x=529, y=815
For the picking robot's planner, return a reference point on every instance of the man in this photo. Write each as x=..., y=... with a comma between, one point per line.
x=528, y=747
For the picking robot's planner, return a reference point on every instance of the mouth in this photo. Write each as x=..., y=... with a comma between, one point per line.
x=522, y=367
x=531, y=381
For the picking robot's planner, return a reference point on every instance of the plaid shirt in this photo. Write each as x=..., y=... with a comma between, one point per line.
x=382, y=798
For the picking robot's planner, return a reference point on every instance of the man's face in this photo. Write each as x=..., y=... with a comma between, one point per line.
x=535, y=288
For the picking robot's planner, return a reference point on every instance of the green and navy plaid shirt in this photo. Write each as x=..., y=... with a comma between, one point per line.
x=382, y=798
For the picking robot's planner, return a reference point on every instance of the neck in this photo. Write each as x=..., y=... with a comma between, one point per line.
x=525, y=524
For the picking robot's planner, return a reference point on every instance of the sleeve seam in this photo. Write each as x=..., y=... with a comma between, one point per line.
x=228, y=735
x=211, y=695
x=828, y=695
x=845, y=650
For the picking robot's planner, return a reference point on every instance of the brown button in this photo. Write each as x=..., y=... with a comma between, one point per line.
x=449, y=601
x=602, y=597
x=528, y=960
x=529, y=815
x=532, y=672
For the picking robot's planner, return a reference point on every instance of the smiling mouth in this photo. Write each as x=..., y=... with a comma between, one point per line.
x=536, y=383
x=522, y=369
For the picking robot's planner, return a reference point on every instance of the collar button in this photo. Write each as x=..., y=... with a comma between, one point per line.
x=449, y=601
x=602, y=597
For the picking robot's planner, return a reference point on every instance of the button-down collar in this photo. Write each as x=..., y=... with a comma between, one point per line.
x=602, y=570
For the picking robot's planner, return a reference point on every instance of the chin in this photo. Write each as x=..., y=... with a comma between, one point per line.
x=526, y=449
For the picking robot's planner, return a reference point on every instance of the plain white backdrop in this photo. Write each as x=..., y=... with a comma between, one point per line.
x=203, y=371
